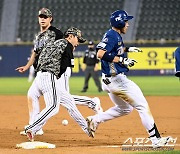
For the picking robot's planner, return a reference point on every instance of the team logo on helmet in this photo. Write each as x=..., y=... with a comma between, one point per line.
x=118, y=18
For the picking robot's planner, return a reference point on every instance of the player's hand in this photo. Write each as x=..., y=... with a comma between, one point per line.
x=21, y=69
x=127, y=61
x=134, y=49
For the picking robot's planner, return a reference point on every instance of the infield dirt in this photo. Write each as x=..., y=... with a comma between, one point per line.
x=71, y=139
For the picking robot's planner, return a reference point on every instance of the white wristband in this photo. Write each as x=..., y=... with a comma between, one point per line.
x=121, y=59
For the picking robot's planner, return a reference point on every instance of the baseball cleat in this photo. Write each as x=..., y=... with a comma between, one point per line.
x=162, y=142
x=97, y=108
x=39, y=132
x=23, y=133
x=91, y=127
x=30, y=135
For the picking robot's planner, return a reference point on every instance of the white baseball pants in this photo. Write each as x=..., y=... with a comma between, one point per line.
x=46, y=83
x=126, y=95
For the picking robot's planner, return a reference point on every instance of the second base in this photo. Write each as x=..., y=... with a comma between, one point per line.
x=35, y=145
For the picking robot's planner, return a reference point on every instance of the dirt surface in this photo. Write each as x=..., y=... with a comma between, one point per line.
x=71, y=139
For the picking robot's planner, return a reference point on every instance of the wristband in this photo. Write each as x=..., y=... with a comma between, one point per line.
x=108, y=57
x=121, y=59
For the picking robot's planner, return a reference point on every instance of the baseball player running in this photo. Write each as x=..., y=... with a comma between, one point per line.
x=124, y=93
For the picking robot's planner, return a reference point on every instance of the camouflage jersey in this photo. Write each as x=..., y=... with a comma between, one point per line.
x=42, y=39
x=51, y=55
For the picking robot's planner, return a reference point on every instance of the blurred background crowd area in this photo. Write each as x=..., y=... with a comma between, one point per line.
x=156, y=21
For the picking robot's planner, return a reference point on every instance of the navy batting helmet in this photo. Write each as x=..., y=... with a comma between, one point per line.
x=118, y=18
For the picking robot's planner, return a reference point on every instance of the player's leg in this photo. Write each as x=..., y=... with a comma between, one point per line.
x=93, y=103
x=130, y=93
x=33, y=101
x=68, y=102
x=64, y=80
x=121, y=108
x=67, y=76
x=47, y=84
x=33, y=105
x=135, y=98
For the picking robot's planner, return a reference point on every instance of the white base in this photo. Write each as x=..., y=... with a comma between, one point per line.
x=35, y=145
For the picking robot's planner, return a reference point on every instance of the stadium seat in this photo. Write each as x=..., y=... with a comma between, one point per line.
x=159, y=17
x=87, y=15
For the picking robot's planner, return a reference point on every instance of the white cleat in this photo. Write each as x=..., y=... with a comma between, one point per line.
x=162, y=142
x=23, y=133
x=39, y=132
x=91, y=126
x=97, y=108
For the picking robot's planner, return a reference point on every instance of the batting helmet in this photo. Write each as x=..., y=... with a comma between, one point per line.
x=118, y=18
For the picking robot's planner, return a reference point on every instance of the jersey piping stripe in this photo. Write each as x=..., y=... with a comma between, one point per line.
x=81, y=100
x=84, y=100
x=51, y=109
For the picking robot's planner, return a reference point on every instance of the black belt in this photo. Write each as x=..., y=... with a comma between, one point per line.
x=43, y=71
x=112, y=75
x=108, y=75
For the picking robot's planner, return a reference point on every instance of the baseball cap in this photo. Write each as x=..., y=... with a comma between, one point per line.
x=76, y=32
x=90, y=43
x=46, y=12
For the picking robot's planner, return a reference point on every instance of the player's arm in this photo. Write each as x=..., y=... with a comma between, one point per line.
x=22, y=69
x=102, y=54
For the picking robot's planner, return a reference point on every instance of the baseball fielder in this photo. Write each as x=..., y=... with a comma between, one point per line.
x=48, y=73
x=124, y=93
x=48, y=69
x=53, y=34
x=63, y=82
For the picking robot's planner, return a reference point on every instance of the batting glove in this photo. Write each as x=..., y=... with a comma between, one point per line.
x=127, y=61
x=134, y=49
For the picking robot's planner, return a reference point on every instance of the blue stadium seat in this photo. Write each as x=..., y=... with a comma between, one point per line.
x=92, y=17
x=159, y=19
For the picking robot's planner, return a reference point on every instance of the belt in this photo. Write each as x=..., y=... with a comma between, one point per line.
x=43, y=71
x=111, y=75
x=49, y=72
